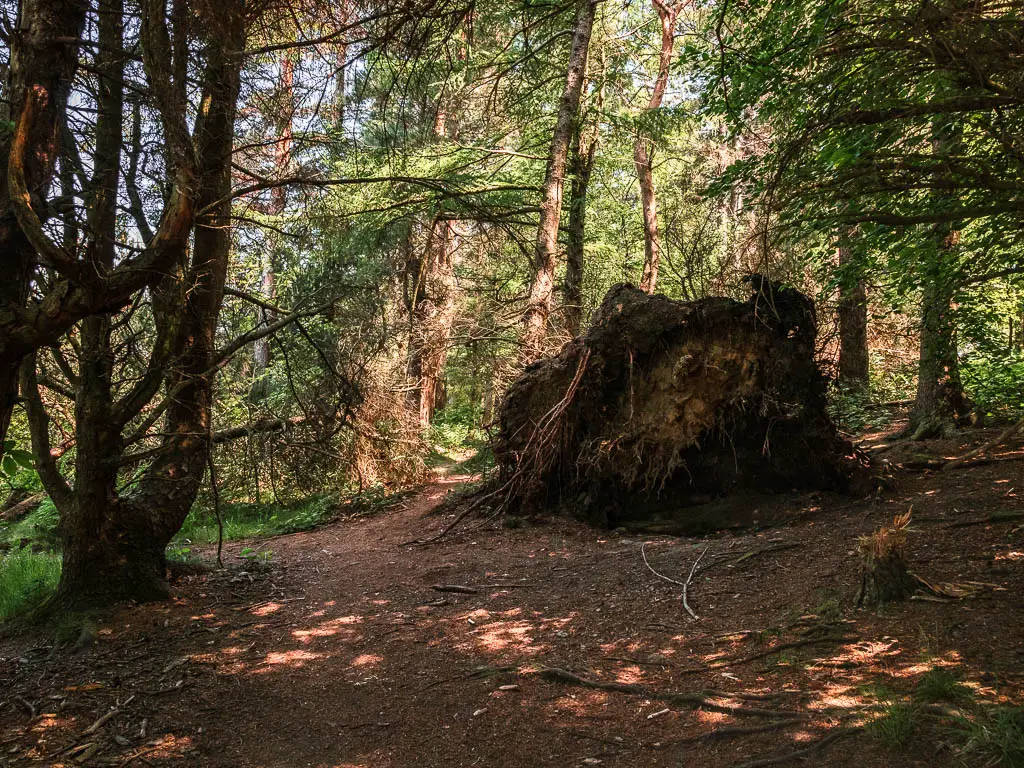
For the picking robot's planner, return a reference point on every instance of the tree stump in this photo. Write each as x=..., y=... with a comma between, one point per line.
x=885, y=577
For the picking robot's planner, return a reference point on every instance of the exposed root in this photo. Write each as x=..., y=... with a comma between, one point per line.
x=734, y=730
x=691, y=700
x=835, y=735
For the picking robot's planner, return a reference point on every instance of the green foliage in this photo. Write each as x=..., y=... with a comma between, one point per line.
x=455, y=427
x=940, y=685
x=996, y=384
x=26, y=580
x=895, y=726
x=994, y=737
x=37, y=527
x=246, y=520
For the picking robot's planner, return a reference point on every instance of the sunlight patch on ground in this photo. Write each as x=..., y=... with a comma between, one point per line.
x=861, y=654
x=367, y=660
x=330, y=628
x=838, y=696
x=711, y=718
x=266, y=610
x=295, y=659
x=629, y=675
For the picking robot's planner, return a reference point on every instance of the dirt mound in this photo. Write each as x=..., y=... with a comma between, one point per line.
x=664, y=405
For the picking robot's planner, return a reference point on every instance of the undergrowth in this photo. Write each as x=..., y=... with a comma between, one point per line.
x=26, y=579
x=943, y=709
x=245, y=520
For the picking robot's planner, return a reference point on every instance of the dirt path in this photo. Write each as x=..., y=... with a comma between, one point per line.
x=340, y=653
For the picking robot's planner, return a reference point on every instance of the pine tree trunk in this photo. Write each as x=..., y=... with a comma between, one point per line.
x=539, y=302
x=853, y=326
x=644, y=147
x=113, y=545
x=940, y=403
x=432, y=305
x=581, y=166
x=278, y=204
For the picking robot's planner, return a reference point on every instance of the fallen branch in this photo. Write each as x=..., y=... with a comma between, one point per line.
x=15, y=511
x=686, y=586
x=460, y=589
x=999, y=439
x=106, y=718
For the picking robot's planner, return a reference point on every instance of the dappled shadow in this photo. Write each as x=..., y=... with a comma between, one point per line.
x=343, y=654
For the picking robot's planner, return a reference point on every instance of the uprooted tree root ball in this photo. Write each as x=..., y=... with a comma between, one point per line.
x=665, y=405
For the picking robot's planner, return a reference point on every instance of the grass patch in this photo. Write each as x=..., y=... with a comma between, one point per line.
x=26, y=580
x=38, y=526
x=938, y=685
x=246, y=520
x=895, y=726
x=992, y=738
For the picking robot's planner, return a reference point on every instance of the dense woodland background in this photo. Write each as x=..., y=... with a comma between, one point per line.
x=261, y=258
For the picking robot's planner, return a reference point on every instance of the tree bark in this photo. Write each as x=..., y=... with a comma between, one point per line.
x=114, y=543
x=643, y=149
x=940, y=402
x=539, y=303
x=853, y=324
x=44, y=56
x=278, y=203
x=581, y=166
x=432, y=304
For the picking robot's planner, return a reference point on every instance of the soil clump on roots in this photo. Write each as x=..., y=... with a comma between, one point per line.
x=667, y=412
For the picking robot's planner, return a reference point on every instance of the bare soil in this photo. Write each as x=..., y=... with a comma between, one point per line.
x=338, y=652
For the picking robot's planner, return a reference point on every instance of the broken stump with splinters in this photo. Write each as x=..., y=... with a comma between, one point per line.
x=885, y=577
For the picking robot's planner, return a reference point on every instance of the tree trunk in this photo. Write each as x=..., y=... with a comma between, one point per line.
x=539, y=303
x=114, y=545
x=44, y=56
x=431, y=300
x=278, y=203
x=940, y=401
x=853, y=325
x=581, y=166
x=643, y=149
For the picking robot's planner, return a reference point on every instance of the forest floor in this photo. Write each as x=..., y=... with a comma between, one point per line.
x=563, y=649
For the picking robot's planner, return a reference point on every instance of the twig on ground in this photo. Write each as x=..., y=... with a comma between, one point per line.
x=459, y=588
x=686, y=586
x=106, y=718
x=28, y=705
x=999, y=439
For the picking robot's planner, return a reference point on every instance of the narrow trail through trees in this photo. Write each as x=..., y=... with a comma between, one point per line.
x=550, y=644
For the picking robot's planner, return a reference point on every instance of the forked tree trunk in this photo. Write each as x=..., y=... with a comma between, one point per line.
x=539, y=302
x=853, y=326
x=44, y=56
x=114, y=545
x=643, y=149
